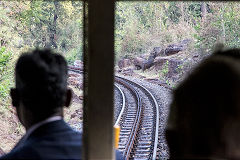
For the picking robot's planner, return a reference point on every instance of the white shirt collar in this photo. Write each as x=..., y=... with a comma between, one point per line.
x=37, y=125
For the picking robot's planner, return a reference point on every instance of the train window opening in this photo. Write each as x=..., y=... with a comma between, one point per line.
x=44, y=24
x=156, y=45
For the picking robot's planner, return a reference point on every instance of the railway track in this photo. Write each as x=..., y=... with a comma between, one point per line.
x=75, y=69
x=139, y=122
x=138, y=118
x=123, y=105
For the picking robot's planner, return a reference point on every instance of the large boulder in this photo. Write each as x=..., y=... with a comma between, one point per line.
x=124, y=63
x=157, y=51
x=175, y=48
x=139, y=62
x=146, y=61
x=146, y=64
x=171, y=65
x=144, y=56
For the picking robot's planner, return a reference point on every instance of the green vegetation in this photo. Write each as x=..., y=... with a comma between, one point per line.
x=26, y=25
x=140, y=26
x=37, y=23
x=5, y=78
x=165, y=68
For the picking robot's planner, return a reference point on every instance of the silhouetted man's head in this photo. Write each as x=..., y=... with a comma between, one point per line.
x=41, y=86
x=204, y=119
x=233, y=53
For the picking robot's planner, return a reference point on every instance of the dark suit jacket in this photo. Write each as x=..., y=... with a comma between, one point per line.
x=53, y=140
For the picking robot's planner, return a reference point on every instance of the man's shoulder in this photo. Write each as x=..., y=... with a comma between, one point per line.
x=58, y=129
x=45, y=152
x=25, y=152
x=55, y=136
x=50, y=142
x=48, y=148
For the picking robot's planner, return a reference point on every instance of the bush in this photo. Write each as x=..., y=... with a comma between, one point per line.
x=74, y=54
x=5, y=72
x=4, y=57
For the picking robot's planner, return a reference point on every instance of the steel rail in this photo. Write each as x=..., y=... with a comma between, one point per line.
x=157, y=123
x=131, y=140
x=136, y=123
x=157, y=116
x=123, y=105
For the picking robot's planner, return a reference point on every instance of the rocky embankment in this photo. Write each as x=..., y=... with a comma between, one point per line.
x=74, y=114
x=167, y=63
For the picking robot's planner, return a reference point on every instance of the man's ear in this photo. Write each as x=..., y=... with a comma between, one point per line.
x=68, y=98
x=15, y=97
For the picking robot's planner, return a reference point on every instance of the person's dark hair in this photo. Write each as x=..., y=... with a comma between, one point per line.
x=203, y=103
x=41, y=80
x=234, y=53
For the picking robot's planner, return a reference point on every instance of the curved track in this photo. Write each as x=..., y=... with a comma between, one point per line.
x=123, y=104
x=139, y=123
x=138, y=119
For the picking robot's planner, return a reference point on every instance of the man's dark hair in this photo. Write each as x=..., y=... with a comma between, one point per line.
x=41, y=80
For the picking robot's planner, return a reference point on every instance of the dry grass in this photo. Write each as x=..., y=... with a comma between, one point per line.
x=11, y=130
x=73, y=114
x=152, y=74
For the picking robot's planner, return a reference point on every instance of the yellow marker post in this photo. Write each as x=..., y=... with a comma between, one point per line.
x=117, y=133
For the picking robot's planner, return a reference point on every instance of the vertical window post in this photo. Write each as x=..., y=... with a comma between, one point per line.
x=98, y=140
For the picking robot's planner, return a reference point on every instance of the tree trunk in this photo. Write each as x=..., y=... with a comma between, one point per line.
x=182, y=11
x=203, y=11
x=223, y=24
x=53, y=26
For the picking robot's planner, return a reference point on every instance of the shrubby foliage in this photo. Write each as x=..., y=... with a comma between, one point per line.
x=37, y=23
x=5, y=58
x=140, y=26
